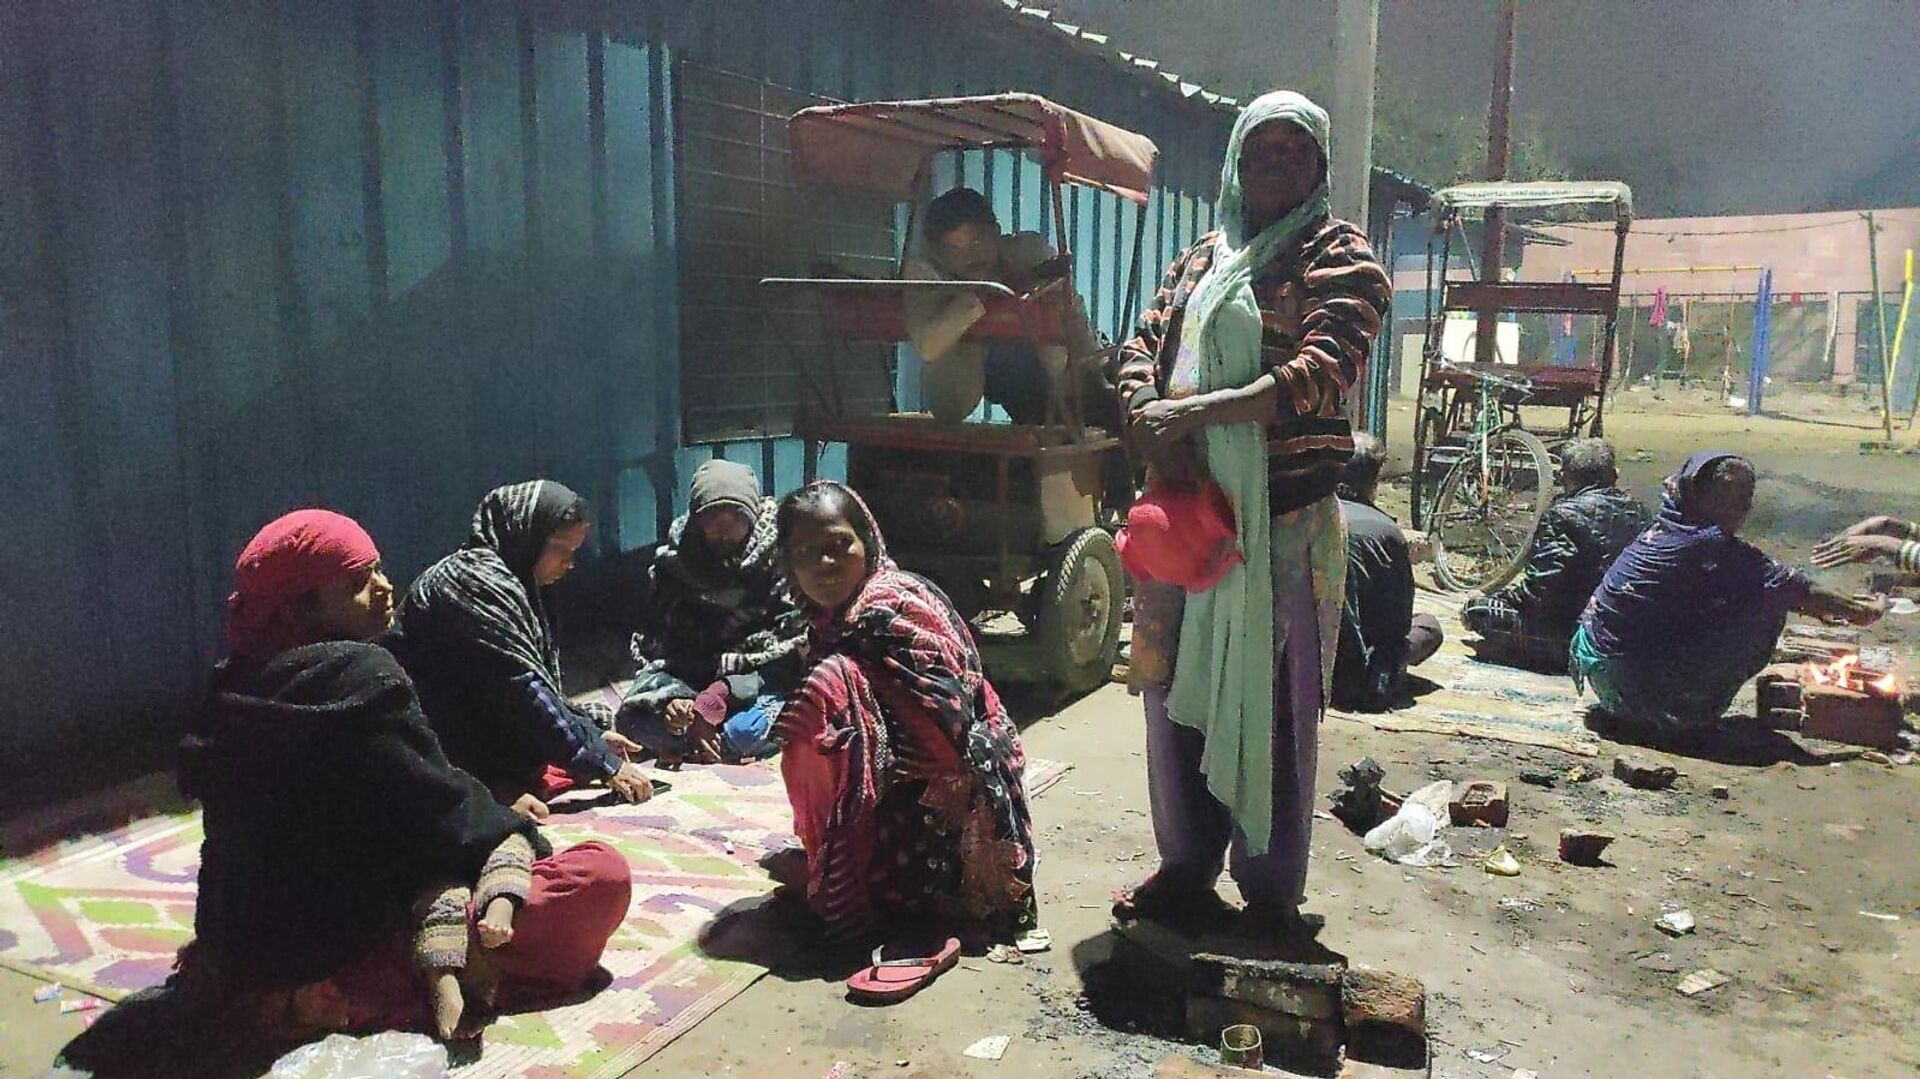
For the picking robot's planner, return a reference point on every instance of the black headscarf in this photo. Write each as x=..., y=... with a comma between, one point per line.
x=486, y=590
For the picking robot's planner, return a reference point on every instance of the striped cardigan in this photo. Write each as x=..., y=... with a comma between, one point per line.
x=1321, y=308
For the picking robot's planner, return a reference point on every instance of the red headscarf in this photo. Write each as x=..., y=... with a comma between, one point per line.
x=290, y=557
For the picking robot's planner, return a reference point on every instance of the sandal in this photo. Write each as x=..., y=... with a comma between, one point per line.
x=889, y=981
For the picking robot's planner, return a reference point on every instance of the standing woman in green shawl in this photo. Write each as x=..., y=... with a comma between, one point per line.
x=1238, y=374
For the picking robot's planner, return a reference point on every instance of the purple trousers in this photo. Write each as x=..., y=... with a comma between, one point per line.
x=1193, y=831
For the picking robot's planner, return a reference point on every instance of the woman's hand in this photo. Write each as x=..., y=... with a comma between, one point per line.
x=531, y=808
x=679, y=716
x=1865, y=610
x=1160, y=424
x=1850, y=546
x=625, y=747
x=631, y=784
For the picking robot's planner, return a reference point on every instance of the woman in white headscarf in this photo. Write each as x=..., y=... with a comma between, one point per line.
x=1238, y=374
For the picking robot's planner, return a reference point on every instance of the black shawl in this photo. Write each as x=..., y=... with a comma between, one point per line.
x=329, y=805
x=485, y=592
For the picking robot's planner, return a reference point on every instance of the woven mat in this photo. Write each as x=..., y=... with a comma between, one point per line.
x=1484, y=700
x=104, y=913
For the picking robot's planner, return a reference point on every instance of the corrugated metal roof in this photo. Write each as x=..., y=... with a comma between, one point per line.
x=1102, y=45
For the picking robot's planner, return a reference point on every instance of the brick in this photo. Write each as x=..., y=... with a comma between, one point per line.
x=1581, y=847
x=1778, y=688
x=1781, y=719
x=1644, y=774
x=1386, y=1017
x=1480, y=801
x=1288, y=1041
x=1304, y=990
x=1844, y=715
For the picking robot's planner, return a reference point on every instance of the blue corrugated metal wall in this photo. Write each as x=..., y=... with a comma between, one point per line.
x=256, y=255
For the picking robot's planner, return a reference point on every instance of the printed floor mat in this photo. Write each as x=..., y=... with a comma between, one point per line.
x=104, y=913
x=1484, y=700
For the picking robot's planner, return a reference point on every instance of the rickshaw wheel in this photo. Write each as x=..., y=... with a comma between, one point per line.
x=1483, y=520
x=1081, y=610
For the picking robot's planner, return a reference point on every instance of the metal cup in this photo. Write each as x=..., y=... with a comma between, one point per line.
x=1240, y=1046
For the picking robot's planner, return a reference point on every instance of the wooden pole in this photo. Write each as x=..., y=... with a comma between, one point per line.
x=1494, y=242
x=1880, y=310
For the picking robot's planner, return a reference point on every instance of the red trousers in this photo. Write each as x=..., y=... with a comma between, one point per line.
x=579, y=897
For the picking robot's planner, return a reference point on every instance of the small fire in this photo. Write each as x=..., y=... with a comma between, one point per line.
x=1847, y=673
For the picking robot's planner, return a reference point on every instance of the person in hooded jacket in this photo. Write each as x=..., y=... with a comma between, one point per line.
x=720, y=638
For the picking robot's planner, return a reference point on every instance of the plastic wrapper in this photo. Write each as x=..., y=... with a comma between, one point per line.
x=1412, y=836
x=389, y=1055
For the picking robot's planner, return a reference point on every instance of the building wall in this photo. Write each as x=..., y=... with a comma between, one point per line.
x=383, y=257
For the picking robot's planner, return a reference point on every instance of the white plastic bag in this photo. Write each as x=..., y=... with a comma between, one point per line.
x=388, y=1055
x=1412, y=836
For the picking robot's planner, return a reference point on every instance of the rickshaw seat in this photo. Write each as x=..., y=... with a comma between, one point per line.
x=870, y=316
x=1552, y=386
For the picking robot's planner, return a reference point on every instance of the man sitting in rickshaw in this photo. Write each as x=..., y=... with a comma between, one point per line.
x=963, y=242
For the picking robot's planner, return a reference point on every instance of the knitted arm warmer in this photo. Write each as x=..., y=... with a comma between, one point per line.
x=440, y=927
x=508, y=872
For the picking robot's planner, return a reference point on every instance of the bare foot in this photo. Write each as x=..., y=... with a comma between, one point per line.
x=448, y=1003
x=496, y=923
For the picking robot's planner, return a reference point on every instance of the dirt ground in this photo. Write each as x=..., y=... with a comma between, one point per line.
x=1559, y=971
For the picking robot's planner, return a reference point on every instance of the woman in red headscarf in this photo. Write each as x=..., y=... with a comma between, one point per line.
x=346, y=863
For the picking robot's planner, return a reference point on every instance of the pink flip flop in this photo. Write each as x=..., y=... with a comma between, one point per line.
x=889, y=981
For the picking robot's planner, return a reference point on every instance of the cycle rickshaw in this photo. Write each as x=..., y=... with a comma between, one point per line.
x=1481, y=479
x=1003, y=517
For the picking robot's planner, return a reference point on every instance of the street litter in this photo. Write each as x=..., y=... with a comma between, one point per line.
x=1701, y=981
x=1519, y=902
x=1002, y=953
x=1502, y=863
x=842, y=1069
x=1035, y=940
x=992, y=1047
x=1489, y=1054
x=1412, y=835
x=1357, y=803
x=85, y=1004
x=45, y=993
x=1676, y=923
x=1879, y=916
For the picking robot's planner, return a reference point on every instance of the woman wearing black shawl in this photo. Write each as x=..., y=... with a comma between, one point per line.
x=339, y=841
x=475, y=635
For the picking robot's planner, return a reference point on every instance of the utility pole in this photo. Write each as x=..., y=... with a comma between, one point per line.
x=1356, y=33
x=1493, y=246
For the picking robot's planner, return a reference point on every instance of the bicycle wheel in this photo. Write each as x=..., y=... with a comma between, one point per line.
x=1487, y=509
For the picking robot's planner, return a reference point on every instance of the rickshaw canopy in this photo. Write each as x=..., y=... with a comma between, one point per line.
x=1463, y=198
x=881, y=146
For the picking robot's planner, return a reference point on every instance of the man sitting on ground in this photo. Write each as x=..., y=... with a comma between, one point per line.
x=1380, y=635
x=1528, y=623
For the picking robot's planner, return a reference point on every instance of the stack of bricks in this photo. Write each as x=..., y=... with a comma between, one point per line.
x=1777, y=697
x=1311, y=1015
x=1295, y=1005
x=1831, y=712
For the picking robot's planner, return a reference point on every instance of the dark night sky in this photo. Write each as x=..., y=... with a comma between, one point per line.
x=1704, y=106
